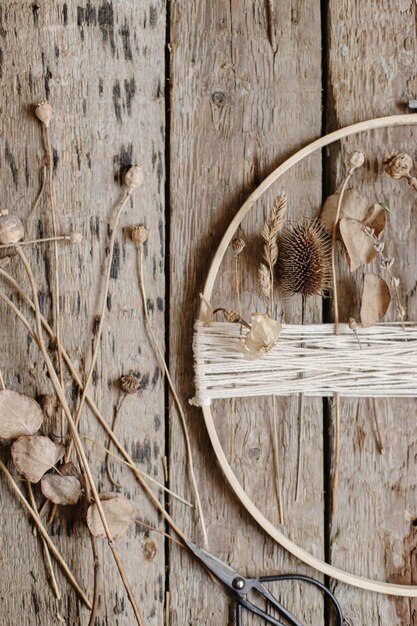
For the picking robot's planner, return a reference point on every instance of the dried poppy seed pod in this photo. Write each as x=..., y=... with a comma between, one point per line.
x=139, y=234
x=356, y=159
x=44, y=112
x=11, y=229
x=134, y=177
x=398, y=165
x=129, y=383
x=352, y=323
x=238, y=245
x=75, y=238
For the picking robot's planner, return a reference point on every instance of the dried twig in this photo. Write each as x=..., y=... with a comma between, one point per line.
x=172, y=387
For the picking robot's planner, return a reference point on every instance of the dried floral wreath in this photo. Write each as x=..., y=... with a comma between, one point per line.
x=46, y=459
x=370, y=358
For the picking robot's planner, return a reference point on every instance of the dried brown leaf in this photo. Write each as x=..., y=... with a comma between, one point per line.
x=34, y=455
x=359, y=246
x=65, y=490
x=19, y=415
x=375, y=299
x=376, y=219
x=119, y=512
x=354, y=205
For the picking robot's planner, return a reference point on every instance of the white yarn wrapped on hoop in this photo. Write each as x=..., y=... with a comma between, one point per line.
x=308, y=359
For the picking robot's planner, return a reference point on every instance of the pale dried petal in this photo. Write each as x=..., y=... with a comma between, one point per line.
x=119, y=513
x=354, y=205
x=359, y=245
x=375, y=299
x=65, y=490
x=34, y=455
x=19, y=415
x=261, y=338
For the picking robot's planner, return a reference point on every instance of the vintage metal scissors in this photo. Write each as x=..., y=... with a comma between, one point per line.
x=241, y=586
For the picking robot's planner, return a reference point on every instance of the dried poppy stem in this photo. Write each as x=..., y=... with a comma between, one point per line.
x=158, y=351
x=232, y=317
x=47, y=556
x=29, y=242
x=76, y=438
x=356, y=159
x=93, y=406
x=113, y=427
x=136, y=468
x=44, y=534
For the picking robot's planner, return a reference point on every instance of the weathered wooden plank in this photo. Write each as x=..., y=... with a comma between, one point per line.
x=235, y=113
x=102, y=66
x=372, y=72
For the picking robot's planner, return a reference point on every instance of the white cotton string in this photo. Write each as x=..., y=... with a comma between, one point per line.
x=308, y=359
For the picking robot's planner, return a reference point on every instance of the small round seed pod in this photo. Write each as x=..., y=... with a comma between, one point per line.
x=129, y=383
x=356, y=159
x=11, y=229
x=44, y=112
x=353, y=324
x=134, y=177
x=238, y=245
x=76, y=238
x=139, y=234
x=398, y=165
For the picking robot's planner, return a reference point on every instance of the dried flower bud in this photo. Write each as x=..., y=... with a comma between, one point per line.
x=231, y=316
x=379, y=247
x=353, y=324
x=238, y=245
x=11, y=229
x=76, y=238
x=129, y=383
x=44, y=112
x=356, y=159
x=395, y=281
x=139, y=234
x=134, y=177
x=398, y=165
x=369, y=231
x=387, y=263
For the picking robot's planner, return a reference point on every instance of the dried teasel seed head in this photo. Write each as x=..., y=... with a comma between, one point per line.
x=75, y=238
x=356, y=159
x=238, y=245
x=352, y=323
x=231, y=316
x=11, y=229
x=44, y=112
x=398, y=165
x=304, y=261
x=129, y=383
x=139, y=234
x=134, y=177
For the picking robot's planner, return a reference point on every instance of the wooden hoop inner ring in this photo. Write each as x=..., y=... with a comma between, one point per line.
x=408, y=591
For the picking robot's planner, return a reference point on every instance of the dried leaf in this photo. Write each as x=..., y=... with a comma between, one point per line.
x=65, y=490
x=359, y=246
x=354, y=205
x=376, y=219
x=375, y=299
x=119, y=513
x=19, y=415
x=34, y=455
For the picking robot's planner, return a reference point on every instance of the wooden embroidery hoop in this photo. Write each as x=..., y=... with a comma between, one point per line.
x=304, y=556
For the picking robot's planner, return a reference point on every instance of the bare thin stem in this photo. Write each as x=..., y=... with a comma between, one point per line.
x=300, y=418
x=29, y=242
x=335, y=481
x=93, y=406
x=113, y=427
x=96, y=582
x=173, y=391
x=120, y=208
x=47, y=556
x=160, y=532
x=54, y=551
x=275, y=447
x=136, y=468
x=51, y=195
x=41, y=190
x=76, y=438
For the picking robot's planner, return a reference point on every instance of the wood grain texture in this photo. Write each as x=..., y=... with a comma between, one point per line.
x=233, y=119
x=102, y=67
x=372, y=72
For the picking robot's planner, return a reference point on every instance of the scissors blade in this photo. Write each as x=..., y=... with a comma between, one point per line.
x=221, y=570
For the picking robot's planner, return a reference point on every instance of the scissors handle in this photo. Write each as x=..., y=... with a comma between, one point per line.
x=269, y=619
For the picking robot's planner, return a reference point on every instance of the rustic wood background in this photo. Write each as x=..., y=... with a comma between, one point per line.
x=196, y=93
